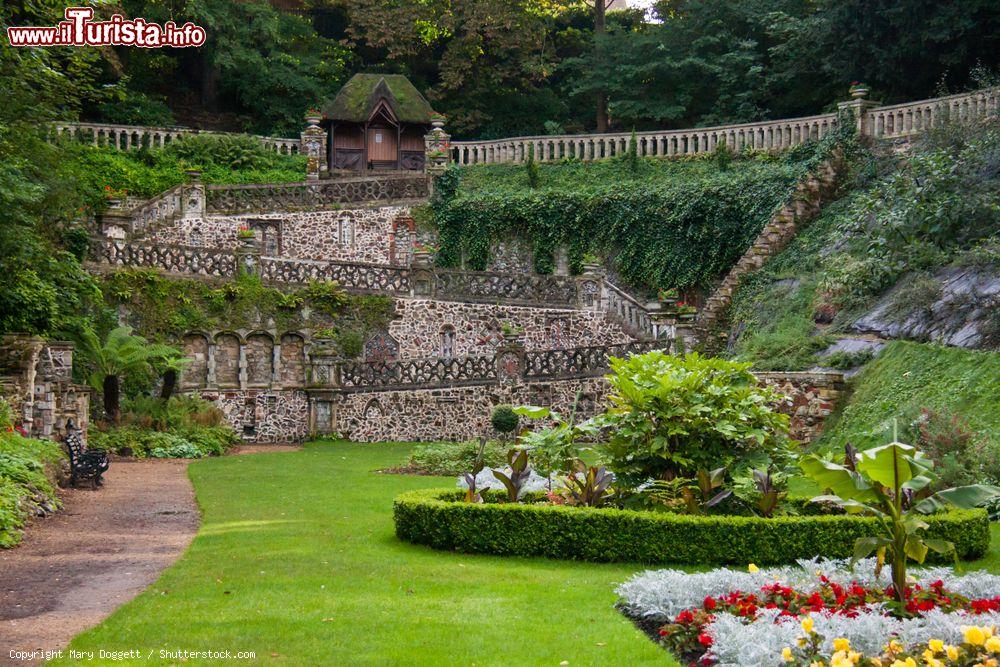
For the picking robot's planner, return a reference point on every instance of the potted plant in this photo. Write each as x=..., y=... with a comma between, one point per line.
x=437, y=120
x=511, y=333
x=313, y=116
x=245, y=234
x=685, y=312
x=668, y=297
x=115, y=197
x=858, y=90
x=592, y=262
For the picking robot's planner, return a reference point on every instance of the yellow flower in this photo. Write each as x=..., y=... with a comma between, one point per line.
x=898, y=663
x=807, y=625
x=993, y=644
x=875, y=662
x=934, y=662
x=840, y=660
x=894, y=646
x=935, y=645
x=974, y=635
x=753, y=568
x=786, y=654
x=910, y=662
x=951, y=651
x=841, y=644
x=818, y=663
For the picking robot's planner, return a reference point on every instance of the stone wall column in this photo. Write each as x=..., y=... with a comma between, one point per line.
x=193, y=196
x=437, y=148
x=210, y=381
x=856, y=110
x=244, y=377
x=312, y=144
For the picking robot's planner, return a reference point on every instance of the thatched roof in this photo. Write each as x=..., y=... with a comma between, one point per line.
x=359, y=96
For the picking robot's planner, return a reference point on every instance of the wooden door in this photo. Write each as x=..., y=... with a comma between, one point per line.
x=382, y=146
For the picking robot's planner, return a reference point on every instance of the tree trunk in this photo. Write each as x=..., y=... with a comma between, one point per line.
x=169, y=384
x=600, y=29
x=112, y=398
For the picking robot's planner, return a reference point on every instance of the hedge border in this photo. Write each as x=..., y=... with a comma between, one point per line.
x=436, y=517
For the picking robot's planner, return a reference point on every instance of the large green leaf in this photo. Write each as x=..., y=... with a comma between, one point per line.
x=965, y=497
x=889, y=465
x=838, y=479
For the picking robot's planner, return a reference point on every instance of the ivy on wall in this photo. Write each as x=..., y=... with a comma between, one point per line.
x=666, y=223
x=164, y=309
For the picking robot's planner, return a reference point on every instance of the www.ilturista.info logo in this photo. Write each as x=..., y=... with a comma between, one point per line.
x=79, y=30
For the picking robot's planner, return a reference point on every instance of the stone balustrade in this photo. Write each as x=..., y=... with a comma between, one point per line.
x=314, y=195
x=665, y=143
x=902, y=120
x=135, y=137
x=628, y=311
x=899, y=120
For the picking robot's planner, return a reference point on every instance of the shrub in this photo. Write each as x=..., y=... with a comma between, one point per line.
x=454, y=458
x=28, y=472
x=672, y=416
x=436, y=518
x=504, y=419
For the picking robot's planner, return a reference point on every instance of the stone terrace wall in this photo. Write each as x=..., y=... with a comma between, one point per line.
x=458, y=413
x=461, y=413
x=264, y=415
x=478, y=327
x=355, y=234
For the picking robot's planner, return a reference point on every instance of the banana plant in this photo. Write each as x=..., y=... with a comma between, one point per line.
x=520, y=471
x=770, y=496
x=892, y=483
x=472, y=495
x=701, y=496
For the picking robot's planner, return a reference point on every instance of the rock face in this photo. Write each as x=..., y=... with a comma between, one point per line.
x=964, y=309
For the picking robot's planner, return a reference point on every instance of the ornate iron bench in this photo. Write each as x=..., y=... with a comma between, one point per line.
x=84, y=464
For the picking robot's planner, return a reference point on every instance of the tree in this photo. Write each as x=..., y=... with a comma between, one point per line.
x=120, y=354
x=600, y=30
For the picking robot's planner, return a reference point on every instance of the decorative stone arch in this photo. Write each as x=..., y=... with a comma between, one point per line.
x=227, y=359
x=401, y=239
x=381, y=346
x=195, y=346
x=269, y=235
x=259, y=351
x=292, y=359
x=373, y=409
x=448, y=339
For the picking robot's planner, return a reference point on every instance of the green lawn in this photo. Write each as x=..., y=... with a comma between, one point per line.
x=297, y=561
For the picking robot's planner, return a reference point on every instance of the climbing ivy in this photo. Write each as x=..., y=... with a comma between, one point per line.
x=665, y=223
x=163, y=309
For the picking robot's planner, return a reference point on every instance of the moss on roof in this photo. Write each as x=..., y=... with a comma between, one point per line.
x=361, y=93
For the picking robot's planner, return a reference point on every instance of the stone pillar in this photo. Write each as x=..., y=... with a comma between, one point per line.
x=312, y=144
x=590, y=291
x=422, y=277
x=509, y=359
x=193, y=196
x=248, y=258
x=856, y=110
x=437, y=148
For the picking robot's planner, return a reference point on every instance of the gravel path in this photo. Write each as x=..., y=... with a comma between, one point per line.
x=77, y=566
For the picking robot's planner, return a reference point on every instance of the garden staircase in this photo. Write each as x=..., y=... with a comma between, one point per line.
x=811, y=193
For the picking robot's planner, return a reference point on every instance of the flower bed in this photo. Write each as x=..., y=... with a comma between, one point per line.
x=811, y=612
x=436, y=517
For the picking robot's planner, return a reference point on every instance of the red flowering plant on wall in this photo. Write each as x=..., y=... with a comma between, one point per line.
x=244, y=232
x=114, y=193
x=686, y=635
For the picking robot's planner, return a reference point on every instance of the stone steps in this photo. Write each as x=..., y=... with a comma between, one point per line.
x=805, y=203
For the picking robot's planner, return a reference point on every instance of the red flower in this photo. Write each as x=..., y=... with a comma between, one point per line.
x=709, y=603
x=704, y=639
x=663, y=633
x=685, y=616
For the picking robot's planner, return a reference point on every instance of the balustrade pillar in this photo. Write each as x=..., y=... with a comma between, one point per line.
x=193, y=196
x=312, y=144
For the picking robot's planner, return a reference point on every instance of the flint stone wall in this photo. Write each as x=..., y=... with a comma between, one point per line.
x=461, y=413
x=272, y=415
x=478, y=327
x=350, y=235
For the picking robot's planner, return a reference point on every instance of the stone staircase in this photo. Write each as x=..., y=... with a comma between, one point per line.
x=811, y=193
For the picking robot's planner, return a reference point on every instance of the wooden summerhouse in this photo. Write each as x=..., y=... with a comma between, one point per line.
x=377, y=122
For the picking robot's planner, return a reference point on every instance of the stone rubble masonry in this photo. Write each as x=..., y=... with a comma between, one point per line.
x=345, y=235
x=421, y=326
x=264, y=415
x=462, y=413
x=36, y=380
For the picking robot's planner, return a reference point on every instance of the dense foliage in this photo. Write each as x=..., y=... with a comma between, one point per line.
x=165, y=309
x=666, y=224
x=28, y=472
x=439, y=519
x=902, y=220
x=672, y=416
x=181, y=427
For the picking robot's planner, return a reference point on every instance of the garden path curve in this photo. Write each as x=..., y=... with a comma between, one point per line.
x=77, y=566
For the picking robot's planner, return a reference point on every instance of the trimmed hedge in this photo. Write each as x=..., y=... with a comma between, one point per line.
x=436, y=518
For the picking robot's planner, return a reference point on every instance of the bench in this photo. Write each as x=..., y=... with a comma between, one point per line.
x=84, y=464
